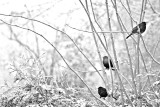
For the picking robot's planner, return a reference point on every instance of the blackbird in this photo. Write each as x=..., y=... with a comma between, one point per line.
x=106, y=64
x=139, y=28
x=102, y=92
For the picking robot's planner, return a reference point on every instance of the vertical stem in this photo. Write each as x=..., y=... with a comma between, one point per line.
x=134, y=85
x=113, y=46
x=104, y=73
x=138, y=39
x=94, y=31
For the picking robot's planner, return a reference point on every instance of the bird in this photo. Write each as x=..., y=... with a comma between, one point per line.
x=106, y=64
x=102, y=92
x=139, y=28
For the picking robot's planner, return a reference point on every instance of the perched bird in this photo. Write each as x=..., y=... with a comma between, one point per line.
x=139, y=28
x=106, y=64
x=102, y=92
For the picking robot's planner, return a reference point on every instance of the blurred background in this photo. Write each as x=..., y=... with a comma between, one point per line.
x=25, y=51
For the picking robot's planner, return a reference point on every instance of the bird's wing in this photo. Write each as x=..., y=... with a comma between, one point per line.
x=135, y=30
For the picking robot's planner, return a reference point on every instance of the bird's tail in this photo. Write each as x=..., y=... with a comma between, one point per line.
x=128, y=36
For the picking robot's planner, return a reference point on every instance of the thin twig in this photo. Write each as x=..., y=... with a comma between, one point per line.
x=154, y=11
x=97, y=32
x=129, y=12
x=149, y=52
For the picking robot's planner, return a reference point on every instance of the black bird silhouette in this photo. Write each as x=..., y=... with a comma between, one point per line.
x=141, y=27
x=106, y=64
x=102, y=92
